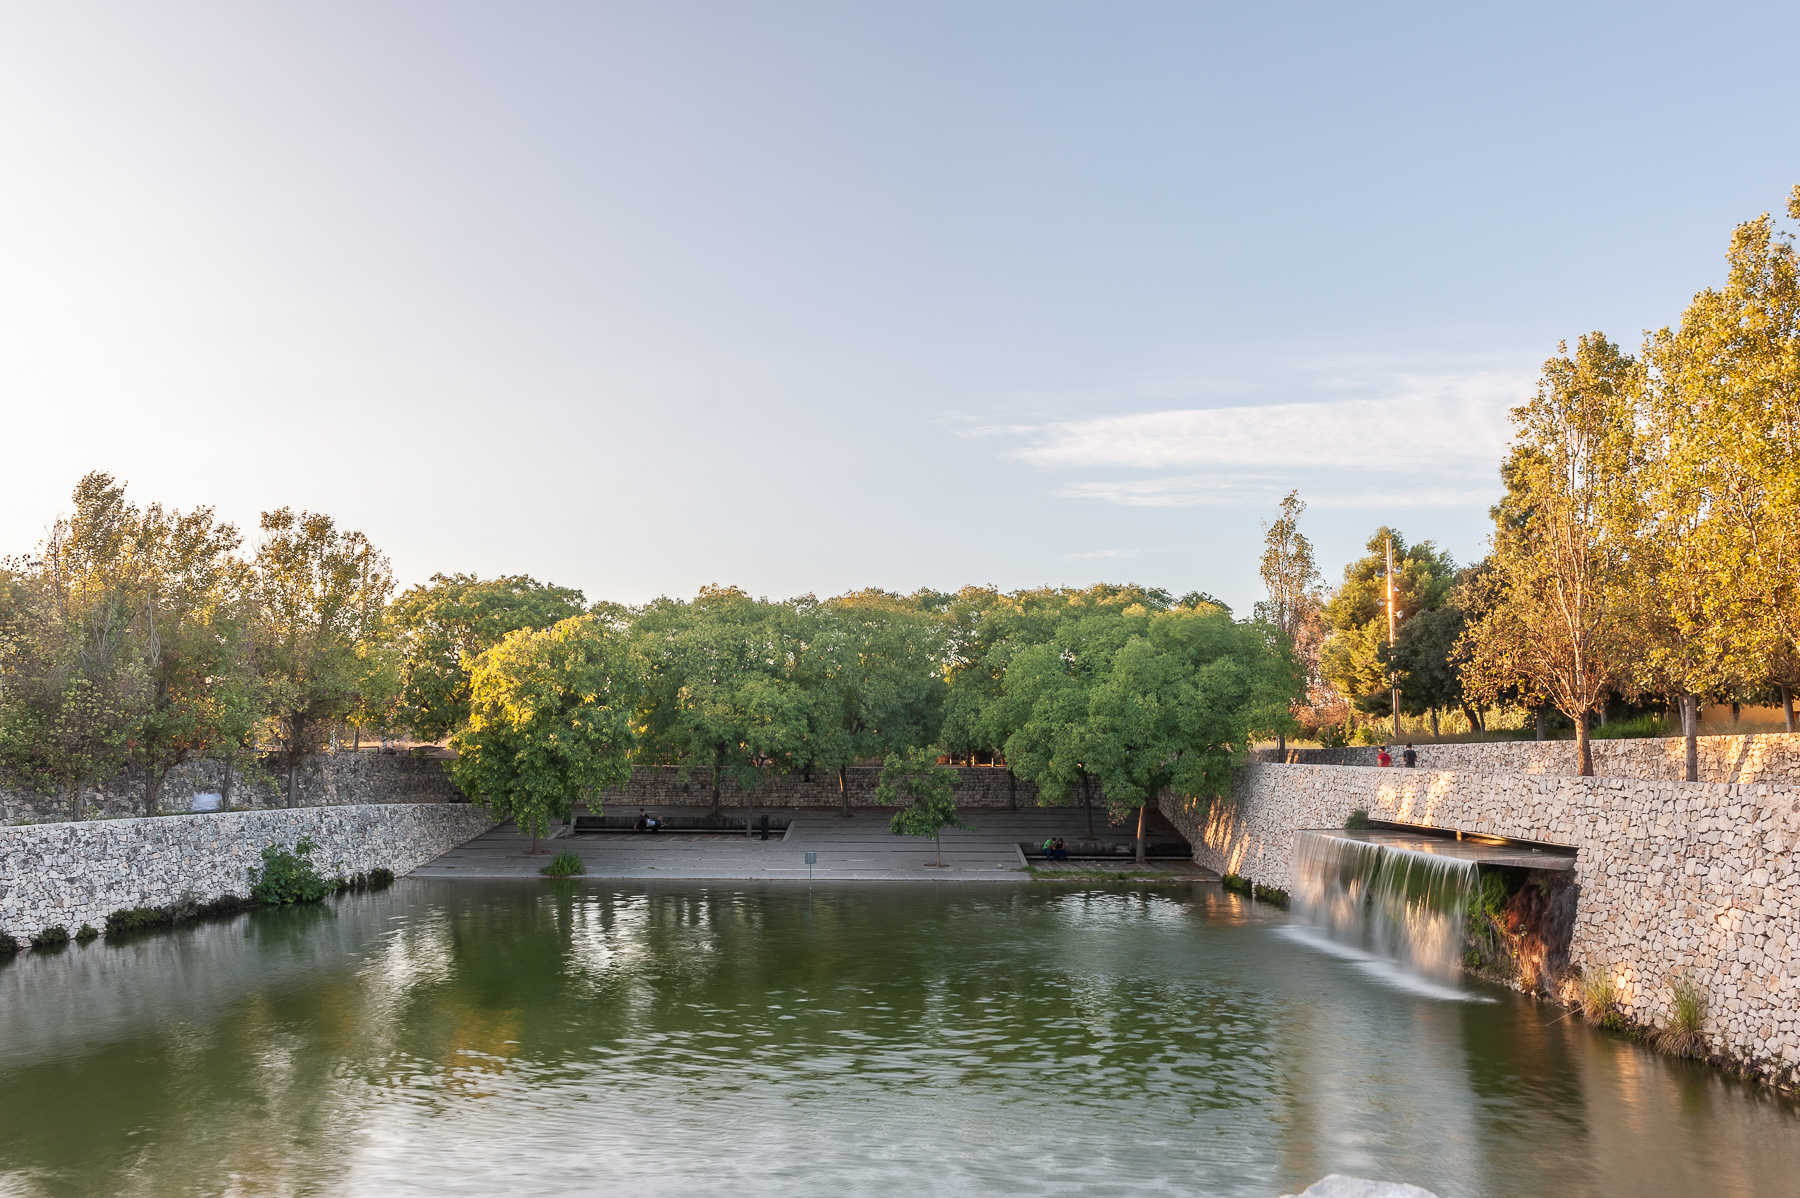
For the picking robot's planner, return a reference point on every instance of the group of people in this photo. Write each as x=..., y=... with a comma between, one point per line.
x=1055, y=849
x=1409, y=757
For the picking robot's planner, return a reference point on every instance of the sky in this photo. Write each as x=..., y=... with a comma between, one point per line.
x=805, y=298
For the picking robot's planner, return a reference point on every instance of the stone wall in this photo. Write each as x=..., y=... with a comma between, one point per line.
x=324, y=779
x=1767, y=757
x=976, y=786
x=1676, y=878
x=76, y=873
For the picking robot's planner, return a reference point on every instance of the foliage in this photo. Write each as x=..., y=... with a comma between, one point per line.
x=1236, y=883
x=1598, y=998
x=1357, y=819
x=85, y=933
x=1685, y=1033
x=1354, y=659
x=1294, y=608
x=1637, y=726
x=549, y=723
x=925, y=792
x=564, y=865
x=445, y=624
x=8, y=944
x=1272, y=895
x=380, y=878
x=317, y=595
x=1558, y=626
x=54, y=936
x=138, y=919
x=288, y=876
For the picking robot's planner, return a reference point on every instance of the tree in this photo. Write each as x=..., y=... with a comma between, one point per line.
x=1291, y=577
x=318, y=594
x=1557, y=623
x=874, y=681
x=1354, y=659
x=443, y=625
x=550, y=714
x=201, y=692
x=72, y=678
x=720, y=690
x=1178, y=706
x=927, y=790
x=1426, y=662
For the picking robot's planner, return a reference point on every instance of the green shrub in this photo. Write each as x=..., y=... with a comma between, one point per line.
x=1236, y=883
x=88, y=932
x=137, y=919
x=225, y=904
x=288, y=876
x=1273, y=895
x=8, y=946
x=1637, y=726
x=1357, y=819
x=54, y=936
x=564, y=865
x=380, y=878
x=1685, y=1034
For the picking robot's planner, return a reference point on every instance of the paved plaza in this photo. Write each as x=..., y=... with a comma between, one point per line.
x=858, y=848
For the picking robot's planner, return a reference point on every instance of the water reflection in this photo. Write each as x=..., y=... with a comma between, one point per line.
x=463, y=1037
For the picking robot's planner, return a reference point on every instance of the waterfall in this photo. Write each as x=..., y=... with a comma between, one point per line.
x=1399, y=903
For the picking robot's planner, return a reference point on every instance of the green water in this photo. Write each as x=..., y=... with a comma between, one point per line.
x=475, y=1038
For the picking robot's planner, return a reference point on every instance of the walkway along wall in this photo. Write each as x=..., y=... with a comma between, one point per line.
x=1676, y=879
x=76, y=873
x=1767, y=757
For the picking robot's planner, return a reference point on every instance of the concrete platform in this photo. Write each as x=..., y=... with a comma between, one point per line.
x=859, y=848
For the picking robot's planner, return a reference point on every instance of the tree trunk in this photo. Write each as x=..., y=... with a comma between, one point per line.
x=1787, y=705
x=1434, y=724
x=1012, y=782
x=1140, y=833
x=532, y=851
x=1280, y=746
x=1584, y=748
x=1471, y=715
x=75, y=802
x=356, y=737
x=844, y=790
x=153, y=780
x=1537, y=715
x=1690, y=733
x=1087, y=800
x=293, y=765
x=937, y=838
x=225, y=787
x=718, y=768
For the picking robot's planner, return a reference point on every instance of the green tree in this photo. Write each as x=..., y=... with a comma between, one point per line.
x=72, y=677
x=720, y=691
x=925, y=792
x=1354, y=659
x=317, y=594
x=1291, y=577
x=550, y=722
x=443, y=625
x=1555, y=616
x=1179, y=704
x=1427, y=662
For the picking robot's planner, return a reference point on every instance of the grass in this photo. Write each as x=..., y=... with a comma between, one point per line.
x=8, y=945
x=1236, y=883
x=564, y=865
x=1357, y=819
x=1092, y=873
x=1272, y=895
x=1685, y=1033
x=54, y=936
x=1598, y=998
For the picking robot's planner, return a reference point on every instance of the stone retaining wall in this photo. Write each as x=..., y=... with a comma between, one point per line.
x=76, y=873
x=1676, y=878
x=1764, y=757
x=976, y=786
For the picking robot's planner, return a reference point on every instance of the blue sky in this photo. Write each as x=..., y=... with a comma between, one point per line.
x=808, y=297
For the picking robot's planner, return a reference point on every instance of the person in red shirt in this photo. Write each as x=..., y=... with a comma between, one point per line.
x=1382, y=757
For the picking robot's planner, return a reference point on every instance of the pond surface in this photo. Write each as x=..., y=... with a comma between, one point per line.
x=484, y=1038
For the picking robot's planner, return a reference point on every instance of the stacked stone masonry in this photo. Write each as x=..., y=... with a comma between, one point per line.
x=74, y=873
x=976, y=786
x=1768, y=757
x=1676, y=879
x=325, y=779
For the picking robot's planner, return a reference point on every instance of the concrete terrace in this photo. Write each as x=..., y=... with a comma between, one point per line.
x=859, y=848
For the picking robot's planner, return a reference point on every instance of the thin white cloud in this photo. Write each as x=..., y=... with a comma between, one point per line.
x=1224, y=490
x=1429, y=419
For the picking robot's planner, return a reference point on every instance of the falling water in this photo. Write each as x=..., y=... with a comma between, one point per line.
x=1396, y=902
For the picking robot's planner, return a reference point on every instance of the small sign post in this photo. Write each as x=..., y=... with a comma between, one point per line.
x=812, y=859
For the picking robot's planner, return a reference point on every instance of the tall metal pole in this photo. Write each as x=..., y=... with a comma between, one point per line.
x=1393, y=675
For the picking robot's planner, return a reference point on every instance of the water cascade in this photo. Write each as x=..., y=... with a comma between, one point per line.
x=1400, y=903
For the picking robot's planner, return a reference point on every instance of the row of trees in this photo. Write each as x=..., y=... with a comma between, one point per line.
x=1648, y=543
x=139, y=638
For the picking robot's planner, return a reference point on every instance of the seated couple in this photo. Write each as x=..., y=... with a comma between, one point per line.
x=1055, y=849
